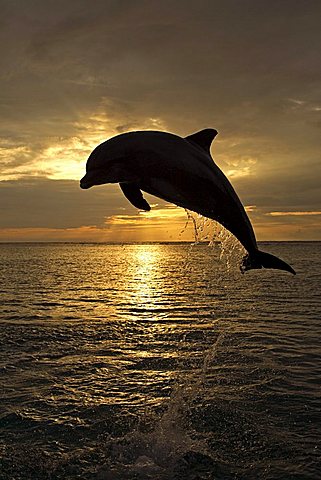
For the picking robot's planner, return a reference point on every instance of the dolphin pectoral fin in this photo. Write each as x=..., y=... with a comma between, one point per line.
x=134, y=195
x=264, y=260
x=203, y=138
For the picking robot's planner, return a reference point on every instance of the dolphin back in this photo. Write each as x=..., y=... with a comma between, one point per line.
x=260, y=259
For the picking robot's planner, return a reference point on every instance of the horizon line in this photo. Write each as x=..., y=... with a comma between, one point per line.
x=152, y=242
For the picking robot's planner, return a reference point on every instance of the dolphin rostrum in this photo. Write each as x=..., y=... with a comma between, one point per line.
x=181, y=171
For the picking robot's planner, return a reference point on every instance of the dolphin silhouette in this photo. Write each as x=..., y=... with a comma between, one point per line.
x=181, y=171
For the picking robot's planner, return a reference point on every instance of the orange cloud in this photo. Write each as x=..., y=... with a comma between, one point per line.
x=85, y=234
x=294, y=214
x=164, y=224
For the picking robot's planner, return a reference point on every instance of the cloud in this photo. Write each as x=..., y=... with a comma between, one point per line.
x=40, y=209
x=38, y=202
x=292, y=214
x=79, y=234
x=44, y=203
x=64, y=157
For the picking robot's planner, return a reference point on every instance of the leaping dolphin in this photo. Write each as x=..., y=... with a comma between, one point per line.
x=181, y=171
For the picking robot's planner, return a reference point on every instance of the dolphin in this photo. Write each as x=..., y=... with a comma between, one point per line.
x=181, y=171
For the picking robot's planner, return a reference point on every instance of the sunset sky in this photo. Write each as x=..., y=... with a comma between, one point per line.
x=76, y=72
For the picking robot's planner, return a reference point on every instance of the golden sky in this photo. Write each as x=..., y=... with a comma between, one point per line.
x=78, y=72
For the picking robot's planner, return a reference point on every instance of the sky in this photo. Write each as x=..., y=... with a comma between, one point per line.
x=75, y=73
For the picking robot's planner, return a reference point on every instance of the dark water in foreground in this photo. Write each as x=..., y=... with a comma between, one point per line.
x=158, y=362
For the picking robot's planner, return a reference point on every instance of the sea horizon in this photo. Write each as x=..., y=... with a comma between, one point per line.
x=152, y=242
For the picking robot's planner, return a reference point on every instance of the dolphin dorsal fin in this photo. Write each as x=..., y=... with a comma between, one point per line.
x=203, y=138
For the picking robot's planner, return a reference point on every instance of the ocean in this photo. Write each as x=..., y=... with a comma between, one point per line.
x=159, y=361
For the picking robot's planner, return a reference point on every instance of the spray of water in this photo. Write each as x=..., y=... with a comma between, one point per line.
x=209, y=231
x=158, y=447
x=165, y=445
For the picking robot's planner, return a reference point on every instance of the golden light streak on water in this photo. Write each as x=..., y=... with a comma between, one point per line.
x=146, y=260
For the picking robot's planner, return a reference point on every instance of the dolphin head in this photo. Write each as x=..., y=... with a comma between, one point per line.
x=112, y=172
x=108, y=163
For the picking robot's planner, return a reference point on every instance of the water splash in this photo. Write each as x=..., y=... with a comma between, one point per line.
x=165, y=446
x=160, y=446
x=209, y=231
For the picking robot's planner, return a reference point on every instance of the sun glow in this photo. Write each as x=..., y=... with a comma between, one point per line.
x=64, y=157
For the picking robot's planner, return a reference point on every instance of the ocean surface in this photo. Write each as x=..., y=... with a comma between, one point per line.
x=159, y=361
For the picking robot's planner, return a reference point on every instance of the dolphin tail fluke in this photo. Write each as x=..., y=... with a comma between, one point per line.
x=264, y=260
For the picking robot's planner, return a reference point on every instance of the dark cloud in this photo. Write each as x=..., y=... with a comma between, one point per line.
x=287, y=191
x=202, y=52
x=40, y=202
